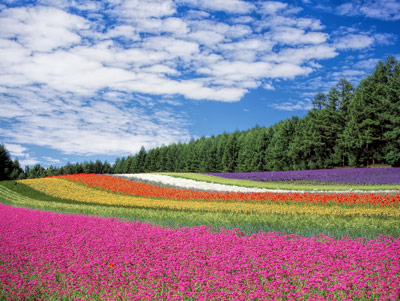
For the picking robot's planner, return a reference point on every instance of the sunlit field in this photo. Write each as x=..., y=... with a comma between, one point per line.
x=147, y=237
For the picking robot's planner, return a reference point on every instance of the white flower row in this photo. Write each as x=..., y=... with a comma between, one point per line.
x=189, y=184
x=200, y=185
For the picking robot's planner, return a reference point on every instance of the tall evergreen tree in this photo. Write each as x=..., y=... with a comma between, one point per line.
x=246, y=151
x=210, y=155
x=6, y=165
x=299, y=147
x=139, y=161
x=368, y=115
x=346, y=93
x=231, y=152
x=277, y=154
x=9, y=169
x=392, y=124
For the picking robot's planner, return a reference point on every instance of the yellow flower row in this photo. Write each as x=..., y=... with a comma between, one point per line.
x=66, y=189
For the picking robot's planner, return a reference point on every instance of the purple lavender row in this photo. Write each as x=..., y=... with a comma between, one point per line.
x=57, y=256
x=344, y=175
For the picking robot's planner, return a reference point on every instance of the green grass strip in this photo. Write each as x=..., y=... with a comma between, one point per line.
x=287, y=185
x=249, y=223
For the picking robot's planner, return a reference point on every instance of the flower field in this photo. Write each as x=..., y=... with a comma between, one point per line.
x=104, y=237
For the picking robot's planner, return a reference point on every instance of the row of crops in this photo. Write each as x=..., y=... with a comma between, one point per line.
x=130, y=239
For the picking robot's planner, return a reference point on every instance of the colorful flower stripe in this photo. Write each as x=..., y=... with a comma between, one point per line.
x=340, y=175
x=143, y=189
x=60, y=256
x=59, y=187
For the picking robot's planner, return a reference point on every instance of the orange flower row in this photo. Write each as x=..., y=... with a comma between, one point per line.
x=119, y=185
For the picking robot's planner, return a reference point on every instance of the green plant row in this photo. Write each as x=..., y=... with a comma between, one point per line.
x=287, y=185
x=249, y=223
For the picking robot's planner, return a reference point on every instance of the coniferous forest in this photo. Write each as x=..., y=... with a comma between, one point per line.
x=348, y=126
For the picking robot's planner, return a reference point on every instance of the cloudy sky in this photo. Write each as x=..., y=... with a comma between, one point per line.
x=86, y=80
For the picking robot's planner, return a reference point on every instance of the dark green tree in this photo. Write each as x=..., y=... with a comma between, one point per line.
x=346, y=93
x=6, y=164
x=369, y=115
x=9, y=169
x=36, y=172
x=277, y=154
x=231, y=152
x=392, y=120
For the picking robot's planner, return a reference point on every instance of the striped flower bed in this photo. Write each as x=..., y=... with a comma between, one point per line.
x=148, y=190
x=60, y=187
x=327, y=246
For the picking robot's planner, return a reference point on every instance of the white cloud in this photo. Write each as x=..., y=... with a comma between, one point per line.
x=272, y=7
x=250, y=44
x=131, y=10
x=50, y=160
x=385, y=38
x=41, y=28
x=127, y=31
x=175, y=47
x=227, y=30
x=300, y=55
x=243, y=19
x=233, y=6
x=10, y=109
x=268, y=86
x=293, y=106
x=28, y=161
x=15, y=150
x=346, y=9
x=288, y=70
x=207, y=37
x=296, y=36
x=276, y=21
x=354, y=41
x=367, y=64
x=378, y=9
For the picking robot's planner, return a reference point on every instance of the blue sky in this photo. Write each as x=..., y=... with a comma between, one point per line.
x=87, y=80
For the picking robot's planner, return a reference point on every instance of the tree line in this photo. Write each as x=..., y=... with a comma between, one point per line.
x=11, y=169
x=348, y=126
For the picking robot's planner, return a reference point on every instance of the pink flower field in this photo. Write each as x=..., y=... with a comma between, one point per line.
x=63, y=256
